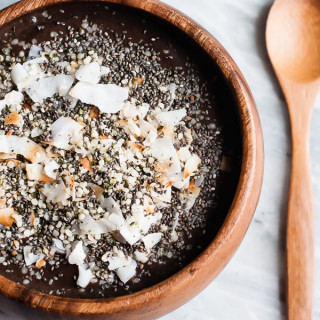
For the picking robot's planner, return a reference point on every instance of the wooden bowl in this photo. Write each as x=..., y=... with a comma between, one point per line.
x=23, y=303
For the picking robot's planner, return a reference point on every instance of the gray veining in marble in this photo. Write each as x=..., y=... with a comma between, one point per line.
x=252, y=284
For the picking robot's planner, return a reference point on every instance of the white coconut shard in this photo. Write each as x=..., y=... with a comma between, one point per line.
x=19, y=76
x=191, y=165
x=57, y=245
x=151, y=240
x=89, y=72
x=116, y=261
x=92, y=226
x=13, y=98
x=171, y=118
x=128, y=272
x=109, y=98
x=57, y=193
x=51, y=167
x=104, y=71
x=111, y=206
x=163, y=150
x=184, y=154
x=77, y=255
x=29, y=257
x=39, y=90
x=34, y=51
x=141, y=256
x=24, y=146
x=65, y=132
x=85, y=276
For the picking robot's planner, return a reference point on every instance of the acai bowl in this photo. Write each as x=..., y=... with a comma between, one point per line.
x=131, y=158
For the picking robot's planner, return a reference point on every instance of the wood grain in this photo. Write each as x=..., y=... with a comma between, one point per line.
x=293, y=33
x=178, y=289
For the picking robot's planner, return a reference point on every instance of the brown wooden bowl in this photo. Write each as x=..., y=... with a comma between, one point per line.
x=185, y=284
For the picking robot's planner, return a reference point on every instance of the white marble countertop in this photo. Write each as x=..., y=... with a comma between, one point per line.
x=252, y=284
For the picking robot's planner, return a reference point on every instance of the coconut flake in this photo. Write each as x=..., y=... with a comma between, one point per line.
x=191, y=165
x=92, y=226
x=24, y=146
x=35, y=171
x=29, y=257
x=141, y=256
x=13, y=98
x=125, y=235
x=19, y=76
x=104, y=71
x=127, y=272
x=77, y=255
x=184, y=154
x=58, y=246
x=109, y=98
x=6, y=216
x=34, y=51
x=111, y=206
x=89, y=72
x=116, y=261
x=51, y=168
x=85, y=276
x=163, y=150
x=65, y=132
x=151, y=240
x=171, y=118
x=39, y=90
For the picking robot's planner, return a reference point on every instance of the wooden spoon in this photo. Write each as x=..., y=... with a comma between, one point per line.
x=293, y=43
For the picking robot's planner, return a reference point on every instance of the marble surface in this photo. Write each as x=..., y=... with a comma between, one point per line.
x=252, y=284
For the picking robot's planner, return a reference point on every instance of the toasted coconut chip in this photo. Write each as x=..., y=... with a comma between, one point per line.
x=94, y=113
x=166, y=132
x=184, y=154
x=89, y=72
x=9, y=133
x=77, y=254
x=191, y=194
x=65, y=132
x=143, y=110
x=6, y=216
x=130, y=111
x=148, y=204
x=116, y=261
x=29, y=257
x=191, y=165
x=140, y=222
x=34, y=51
x=171, y=118
x=36, y=172
x=85, y=276
x=2, y=203
x=127, y=272
x=134, y=129
x=51, y=169
x=4, y=156
x=15, y=162
x=147, y=129
x=98, y=191
x=58, y=192
x=39, y=90
x=124, y=125
x=109, y=98
x=134, y=147
x=163, y=150
x=86, y=164
x=151, y=240
x=24, y=146
x=141, y=256
x=40, y=263
x=58, y=246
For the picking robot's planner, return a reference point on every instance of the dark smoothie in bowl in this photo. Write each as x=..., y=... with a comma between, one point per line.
x=120, y=150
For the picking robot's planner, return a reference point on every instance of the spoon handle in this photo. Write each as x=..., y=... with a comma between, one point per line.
x=300, y=234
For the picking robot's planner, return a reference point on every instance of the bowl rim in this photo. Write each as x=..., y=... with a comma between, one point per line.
x=213, y=259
